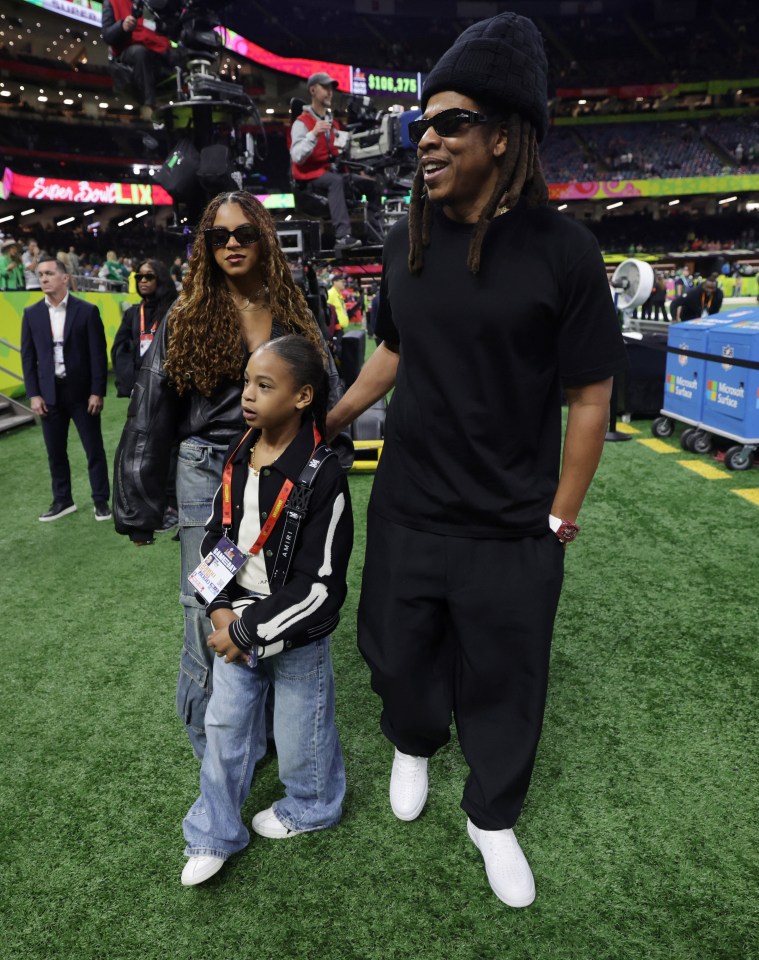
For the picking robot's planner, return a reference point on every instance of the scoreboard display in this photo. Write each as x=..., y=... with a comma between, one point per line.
x=389, y=83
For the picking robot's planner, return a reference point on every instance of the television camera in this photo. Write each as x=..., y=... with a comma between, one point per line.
x=210, y=118
x=377, y=138
x=192, y=26
x=378, y=145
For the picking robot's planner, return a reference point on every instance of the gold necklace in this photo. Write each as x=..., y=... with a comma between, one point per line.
x=252, y=459
x=260, y=296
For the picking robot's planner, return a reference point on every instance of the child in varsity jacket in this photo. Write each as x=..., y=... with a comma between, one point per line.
x=284, y=503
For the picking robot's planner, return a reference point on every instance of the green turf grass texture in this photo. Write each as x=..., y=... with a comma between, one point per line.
x=640, y=824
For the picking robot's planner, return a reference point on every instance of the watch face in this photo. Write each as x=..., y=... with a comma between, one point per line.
x=567, y=531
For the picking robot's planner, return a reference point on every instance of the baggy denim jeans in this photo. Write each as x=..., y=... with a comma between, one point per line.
x=199, y=468
x=308, y=749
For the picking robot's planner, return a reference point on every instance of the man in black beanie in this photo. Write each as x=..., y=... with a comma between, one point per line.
x=490, y=303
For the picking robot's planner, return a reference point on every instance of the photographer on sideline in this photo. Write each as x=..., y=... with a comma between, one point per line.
x=136, y=44
x=313, y=152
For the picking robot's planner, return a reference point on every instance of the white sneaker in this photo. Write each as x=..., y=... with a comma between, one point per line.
x=267, y=824
x=199, y=869
x=507, y=868
x=408, y=785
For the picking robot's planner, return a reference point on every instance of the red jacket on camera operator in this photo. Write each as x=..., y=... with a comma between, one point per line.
x=122, y=10
x=320, y=159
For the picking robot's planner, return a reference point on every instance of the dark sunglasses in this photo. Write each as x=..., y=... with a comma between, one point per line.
x=445, y=124
x=145, y=276
x=244, y=235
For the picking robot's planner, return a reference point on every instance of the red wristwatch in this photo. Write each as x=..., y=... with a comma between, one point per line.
x=565, y=530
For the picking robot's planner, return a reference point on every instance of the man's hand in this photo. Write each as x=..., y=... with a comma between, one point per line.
x=94, y=404
x=39, y=407
x=128, y=23
x=321, y=126
x=223, y=645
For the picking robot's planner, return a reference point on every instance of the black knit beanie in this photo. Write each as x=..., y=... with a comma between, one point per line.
x=501, y=60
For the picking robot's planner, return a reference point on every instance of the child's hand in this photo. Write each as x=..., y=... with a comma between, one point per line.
x=223, y=645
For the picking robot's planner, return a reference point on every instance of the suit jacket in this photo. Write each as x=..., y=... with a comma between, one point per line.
x=84, y=351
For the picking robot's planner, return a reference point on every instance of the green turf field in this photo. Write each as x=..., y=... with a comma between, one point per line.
x=641, y=824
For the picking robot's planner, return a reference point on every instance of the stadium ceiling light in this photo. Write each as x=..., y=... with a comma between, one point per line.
x=129, y=106
x=728, y=200
x=68, y=102
x=270, y=109
x=103, y=105
x=6, y=219
x=123, y=223
x=673, y=203
x=563, y=206
x=88, y=213
x=62, y=223
x=25, y=213
x=42, y=99
x=582, y=102
x=142, y=213
x=5, y=93
x=611, y=206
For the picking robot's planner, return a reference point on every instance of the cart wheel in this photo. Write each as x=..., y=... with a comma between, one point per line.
x=738, y=458
x=702, y=442
x=686, y=438
x=662, y=427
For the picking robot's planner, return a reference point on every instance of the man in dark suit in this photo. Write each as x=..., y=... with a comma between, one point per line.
x=64, y=359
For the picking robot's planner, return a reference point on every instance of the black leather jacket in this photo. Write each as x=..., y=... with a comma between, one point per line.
x=158, y=418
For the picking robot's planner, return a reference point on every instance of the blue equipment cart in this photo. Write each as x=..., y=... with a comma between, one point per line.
x=685, y=380
x=731, y=398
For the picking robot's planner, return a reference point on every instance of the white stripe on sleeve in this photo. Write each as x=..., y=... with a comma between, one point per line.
x=337, y=511
x=316, y=597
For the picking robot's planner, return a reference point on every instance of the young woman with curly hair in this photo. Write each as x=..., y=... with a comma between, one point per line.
x=238, y=293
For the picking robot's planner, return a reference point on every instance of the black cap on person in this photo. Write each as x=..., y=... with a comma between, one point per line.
x=500, y=60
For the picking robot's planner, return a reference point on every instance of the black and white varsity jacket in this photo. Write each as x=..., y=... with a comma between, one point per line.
x=307, y=606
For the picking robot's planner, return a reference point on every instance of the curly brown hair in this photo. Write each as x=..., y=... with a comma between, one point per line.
x=205, y=344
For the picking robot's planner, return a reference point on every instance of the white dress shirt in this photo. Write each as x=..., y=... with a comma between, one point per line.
x=57, y=323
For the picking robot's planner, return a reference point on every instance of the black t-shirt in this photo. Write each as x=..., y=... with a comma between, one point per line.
x=473, y=434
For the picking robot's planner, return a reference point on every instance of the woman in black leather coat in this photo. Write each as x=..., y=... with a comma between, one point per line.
x=238, y=293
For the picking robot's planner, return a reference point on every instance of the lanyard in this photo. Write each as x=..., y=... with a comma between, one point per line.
x=142, y=321
x=281, y=500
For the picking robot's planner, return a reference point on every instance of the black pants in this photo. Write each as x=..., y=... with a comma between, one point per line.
x=147, y=69
x=332, y=185
x=55, y=430
x=462, y=627
x=652, y=309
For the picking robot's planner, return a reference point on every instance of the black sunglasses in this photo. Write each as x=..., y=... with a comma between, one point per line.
x=145, y=276
x=244, y=235
x=445, y=124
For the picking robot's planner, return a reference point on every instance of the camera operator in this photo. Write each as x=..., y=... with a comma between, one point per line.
x=136, y=44
x=313, y=152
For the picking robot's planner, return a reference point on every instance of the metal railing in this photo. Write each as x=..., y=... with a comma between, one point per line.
x=95, y=284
